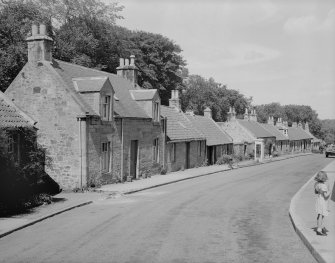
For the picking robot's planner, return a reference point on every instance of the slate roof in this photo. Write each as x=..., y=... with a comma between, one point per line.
x=89, y=84
x=11, y=116
x=236, y=132
x=207, y=126
x=125, y=106
x=179, y=127
x=275, y=132
x=146, y=94
x=255, y=128
x=296, y=134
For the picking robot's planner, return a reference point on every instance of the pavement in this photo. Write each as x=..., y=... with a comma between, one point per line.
x=66, y=201
x=303, y=217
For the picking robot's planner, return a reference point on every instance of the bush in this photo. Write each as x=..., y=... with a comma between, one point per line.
x=226, y=159
x=275, y=154
x=22, y=183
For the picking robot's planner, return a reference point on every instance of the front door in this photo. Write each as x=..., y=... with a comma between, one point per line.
x=210, y=155
x=133, y=158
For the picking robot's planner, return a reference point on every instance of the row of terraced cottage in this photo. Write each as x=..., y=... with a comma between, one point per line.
x=101, y=128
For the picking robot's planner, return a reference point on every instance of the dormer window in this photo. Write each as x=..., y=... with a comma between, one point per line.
x=106, y=108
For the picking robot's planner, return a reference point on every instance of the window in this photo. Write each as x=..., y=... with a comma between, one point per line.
x=106, y=108
x=105, y=157
x=155, y=150
x=155, y=115
x=173, y=152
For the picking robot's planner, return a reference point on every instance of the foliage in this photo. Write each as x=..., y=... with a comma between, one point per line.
x=291, y=113
x=98, y=44
x=328, y=131
x=16, y=17
x=21, y=182
x=15, y=23
x=201, y=93
x=226, y=159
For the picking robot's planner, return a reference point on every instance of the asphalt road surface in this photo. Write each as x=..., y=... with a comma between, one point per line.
x=234, y=216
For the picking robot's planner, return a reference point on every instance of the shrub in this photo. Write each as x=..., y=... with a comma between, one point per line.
x=226, y=159
x=22, y=183
x=276, y=154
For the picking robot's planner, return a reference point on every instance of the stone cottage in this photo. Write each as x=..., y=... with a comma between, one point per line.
x=300, y=140
x=218, y=142
x=92, y=123
x=249, y=137
x=185, y=145
x=282, y=144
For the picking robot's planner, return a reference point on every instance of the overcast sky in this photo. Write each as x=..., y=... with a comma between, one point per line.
x=273, y=50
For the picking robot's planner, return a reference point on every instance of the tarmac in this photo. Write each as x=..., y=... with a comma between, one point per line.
x=301, y=208
x=303, y=217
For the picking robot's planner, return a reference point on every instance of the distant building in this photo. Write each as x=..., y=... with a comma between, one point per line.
x=249, y=137
x=185, y=145
x=282, y=143
x=218, y=142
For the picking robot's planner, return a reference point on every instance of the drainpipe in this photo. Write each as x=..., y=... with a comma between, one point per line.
x=82, y=150
x=122, y=150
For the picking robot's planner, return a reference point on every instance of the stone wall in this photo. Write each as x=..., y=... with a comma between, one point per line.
x=99, y=132
x=144, y=131
x=41, y=94
x=196, y=158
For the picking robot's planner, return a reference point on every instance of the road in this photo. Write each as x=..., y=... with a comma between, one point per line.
x=234, y=216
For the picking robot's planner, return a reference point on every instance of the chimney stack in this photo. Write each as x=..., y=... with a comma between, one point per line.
x=174, y=101
x=271, y=120
x=39, y=44
x=294, y=125
x=208, y=112
x=128, y=71
x=246, y=114
x=253, y=115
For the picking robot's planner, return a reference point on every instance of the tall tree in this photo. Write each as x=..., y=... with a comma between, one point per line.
x=15, y=23
x=16, y=17
x=201, y=93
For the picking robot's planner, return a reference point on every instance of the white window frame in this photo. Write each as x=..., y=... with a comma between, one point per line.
x=106, y=157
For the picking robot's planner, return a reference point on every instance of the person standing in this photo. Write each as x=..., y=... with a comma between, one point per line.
x=322, y=191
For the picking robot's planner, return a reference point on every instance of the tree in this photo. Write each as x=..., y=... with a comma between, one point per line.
x=15, y=23
x=273, y=109
x=201, y=93
x=16, y=17
x=97, y=44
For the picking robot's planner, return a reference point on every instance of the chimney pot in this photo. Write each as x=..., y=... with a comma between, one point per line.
x=132, y=60
x=43, y=29
x=121, y=62
x=34, y=29
x=126, y=62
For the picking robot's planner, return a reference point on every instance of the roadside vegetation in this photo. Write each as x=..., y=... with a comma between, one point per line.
x=23, y=183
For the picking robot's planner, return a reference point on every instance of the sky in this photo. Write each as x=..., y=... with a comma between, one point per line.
x=273, y=50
